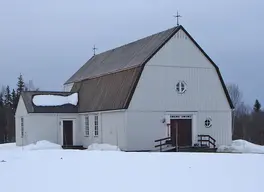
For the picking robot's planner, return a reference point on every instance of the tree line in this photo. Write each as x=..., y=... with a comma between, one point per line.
x=8, y=103
x=248, y=121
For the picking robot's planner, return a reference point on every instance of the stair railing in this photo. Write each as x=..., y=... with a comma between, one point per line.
x=162, y=142
x=210, y=141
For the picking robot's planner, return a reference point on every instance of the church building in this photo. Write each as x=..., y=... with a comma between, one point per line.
x=160, y=86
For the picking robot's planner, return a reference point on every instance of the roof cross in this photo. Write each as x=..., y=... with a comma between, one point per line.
x=94, y=49
x=177, y=16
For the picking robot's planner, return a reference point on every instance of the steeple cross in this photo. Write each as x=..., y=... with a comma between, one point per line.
x=94, y=49
x=177, y=16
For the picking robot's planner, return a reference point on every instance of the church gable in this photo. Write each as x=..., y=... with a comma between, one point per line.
x=183, y=52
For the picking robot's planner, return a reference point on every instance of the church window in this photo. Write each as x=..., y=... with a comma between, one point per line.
x=22, y=127
x=208, y=122
x=96, y=127
x=181, y=87
x=87, y=128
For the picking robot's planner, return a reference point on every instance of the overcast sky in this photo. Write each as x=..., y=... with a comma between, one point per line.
x=48, y=40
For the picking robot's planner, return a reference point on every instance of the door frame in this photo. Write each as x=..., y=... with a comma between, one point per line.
x=185, y=115
x=73, y=130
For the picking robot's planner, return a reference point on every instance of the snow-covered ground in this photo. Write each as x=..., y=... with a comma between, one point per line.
x=241, y=146
x=51, y=169
x=102, y=147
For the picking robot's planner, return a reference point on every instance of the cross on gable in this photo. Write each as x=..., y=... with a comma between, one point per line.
x=177, y=16
x=94, y=49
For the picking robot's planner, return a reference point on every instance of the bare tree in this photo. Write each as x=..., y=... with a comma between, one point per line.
x=243, y=110
x=236, y=97
x=235, y=94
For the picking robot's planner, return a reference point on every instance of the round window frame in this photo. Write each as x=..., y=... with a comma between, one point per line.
x=181, y=83
x=210, y=120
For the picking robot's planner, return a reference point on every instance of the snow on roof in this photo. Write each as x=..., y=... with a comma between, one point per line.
x=55, y=100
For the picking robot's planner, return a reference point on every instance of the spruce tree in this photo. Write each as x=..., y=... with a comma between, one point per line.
x=1, y=100
x=20, y=85
x=257, y=106
x=14, y=99
x=7, y=97
x=20, y=89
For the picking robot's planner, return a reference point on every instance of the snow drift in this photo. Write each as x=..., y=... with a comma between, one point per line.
x=241, y=146
x=55, y=100
x=42, y=145
x=102, y=147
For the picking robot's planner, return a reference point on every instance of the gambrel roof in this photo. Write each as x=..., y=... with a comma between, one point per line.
x=122, y=58
x=108, y=80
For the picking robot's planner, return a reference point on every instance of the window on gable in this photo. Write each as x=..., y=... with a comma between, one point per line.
x=208, y=122
x=86, y=124
x=181, y=87
x=22, y=127
x=96, y=127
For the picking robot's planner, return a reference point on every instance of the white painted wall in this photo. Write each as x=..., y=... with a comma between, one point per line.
x=156, y=94
x=44, y=126
x=221, y=126
x=179, y=60
x=143, y=128
x=113, y=133
x=88, y=140
x=111, y=129
x=20, y=112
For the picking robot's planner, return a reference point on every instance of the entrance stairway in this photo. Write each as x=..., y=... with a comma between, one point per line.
x=206, y=144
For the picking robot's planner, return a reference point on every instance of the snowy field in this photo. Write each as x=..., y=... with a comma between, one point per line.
x=47, y=168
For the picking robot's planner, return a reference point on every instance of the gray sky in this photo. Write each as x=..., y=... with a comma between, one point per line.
x=48, y=40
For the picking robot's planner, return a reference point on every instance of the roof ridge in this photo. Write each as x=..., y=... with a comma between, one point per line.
x=135, y=41
x=129, y=55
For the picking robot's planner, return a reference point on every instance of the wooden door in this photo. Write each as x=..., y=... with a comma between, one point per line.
x=68, y=133
x=181, y=132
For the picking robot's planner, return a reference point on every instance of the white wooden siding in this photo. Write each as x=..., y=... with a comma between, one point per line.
x=156, y=90
x=111, y=129
x=20, y=112
x=221, y=126
x=155, y=95
x=143, y=128
x=43, y=126
x=179, y=60
x=180, y=51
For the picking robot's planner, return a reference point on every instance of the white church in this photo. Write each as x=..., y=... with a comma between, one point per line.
x=160, y=86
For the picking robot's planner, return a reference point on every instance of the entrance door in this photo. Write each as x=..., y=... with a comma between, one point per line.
x=67, y=133
x=181, y=132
